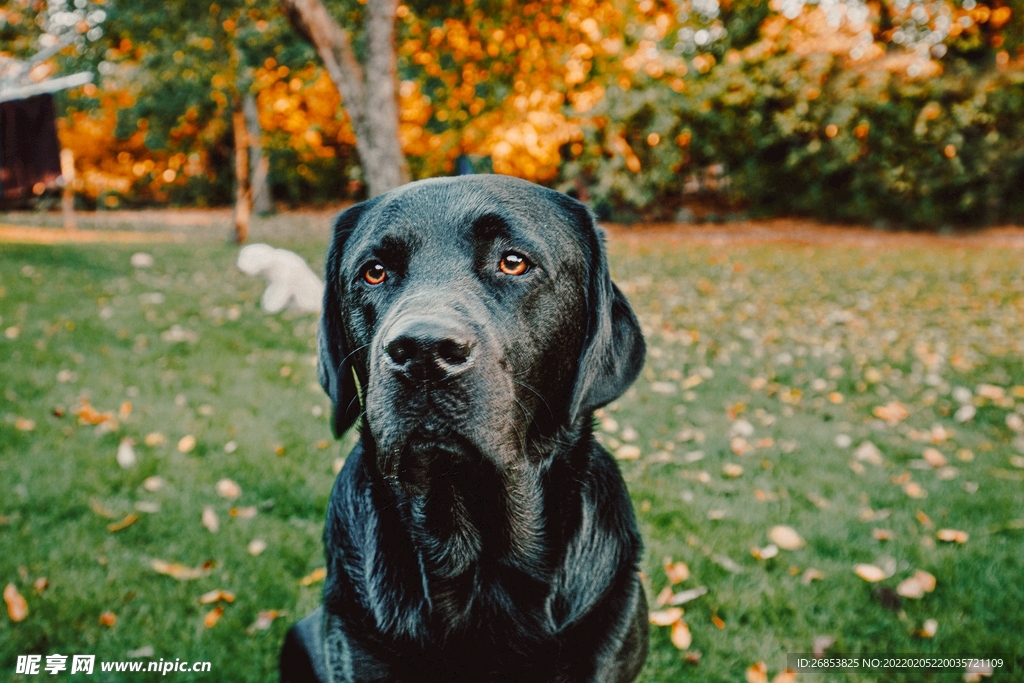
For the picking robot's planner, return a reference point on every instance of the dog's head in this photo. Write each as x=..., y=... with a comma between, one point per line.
x=478, y=319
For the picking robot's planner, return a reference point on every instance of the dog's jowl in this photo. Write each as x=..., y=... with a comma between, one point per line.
x=477, y=532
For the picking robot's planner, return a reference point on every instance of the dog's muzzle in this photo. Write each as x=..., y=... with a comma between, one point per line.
x=424, y=349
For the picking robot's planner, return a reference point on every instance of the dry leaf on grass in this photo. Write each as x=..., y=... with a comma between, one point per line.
x=256, y=546
x=785, y=676
x=733, y=470
x=928, y=629
x=677, y=572
x=765, y=553
x=124, y=523
x=228, y=488
x=216, y=595
x=186, y=443
x=681, y=636
x=154, y=483
x=666, y=617
x=126, y=453
x=811, y=574
x=40, y=584
x=869, y=572
x=786, y=537
x=914, y=490
x=100, y=509
x=757, y=673
x=821, y=644
x=627, y=452
x=869, y=453
x=17, y=608
x=892, y=412
x=264, y=619
x=210, y=519
x=108, y=619
x=178, y=571
x=914, y=587
x=213, y=616
x=154, y=439
x=683, y=597
x=314, y=576
x=934, y=457
x=952, y=536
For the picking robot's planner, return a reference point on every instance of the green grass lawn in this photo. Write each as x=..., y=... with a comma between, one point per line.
x=766, y=365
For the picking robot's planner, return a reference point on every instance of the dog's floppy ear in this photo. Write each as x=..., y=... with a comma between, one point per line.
x=334, y=366
x=614, y=350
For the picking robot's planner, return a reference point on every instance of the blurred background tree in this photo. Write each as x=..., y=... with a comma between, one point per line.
x=901, y=112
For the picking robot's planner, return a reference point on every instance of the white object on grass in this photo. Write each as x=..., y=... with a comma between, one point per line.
x=290, y=281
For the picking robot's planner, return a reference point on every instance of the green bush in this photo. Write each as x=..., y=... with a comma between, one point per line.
x=808, y=135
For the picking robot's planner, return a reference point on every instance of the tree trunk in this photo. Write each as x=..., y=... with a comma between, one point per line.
x=67, y=204
x=243, y=193
x=259, y=165
x=368, y=95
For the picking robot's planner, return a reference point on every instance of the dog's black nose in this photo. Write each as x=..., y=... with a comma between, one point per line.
x=426, y=349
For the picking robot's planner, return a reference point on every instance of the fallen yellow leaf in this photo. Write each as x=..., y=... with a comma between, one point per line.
x=869, y=572
x=891, y=412
x=126, y=522
x=934, y=457
x=216, y=595
x=914, y=490
x=210, y=519
x=154, y=439
x=666, y=617
x=264, y=619
x=213, y=616
x=314, y=576
x=785, y=676
x=786, y=537
x=228, y=488
x=677, y=572
x=952, y=536
x=811, y=574
x=730, y=469
x=914, y=587
x=17, y=608
x=681, y=636
x=178, y=571
x=765, y=553
x=757, y=673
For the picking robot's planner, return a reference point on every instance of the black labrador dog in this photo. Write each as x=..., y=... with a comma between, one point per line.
x=477, y=531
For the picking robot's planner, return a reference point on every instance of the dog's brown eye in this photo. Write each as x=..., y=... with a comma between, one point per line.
x=375, y=274
x=513, y=264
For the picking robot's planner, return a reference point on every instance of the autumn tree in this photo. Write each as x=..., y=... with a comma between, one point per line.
x=190, y=67
x=367, y=85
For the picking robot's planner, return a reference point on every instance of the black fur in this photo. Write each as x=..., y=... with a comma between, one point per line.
x=477, y=532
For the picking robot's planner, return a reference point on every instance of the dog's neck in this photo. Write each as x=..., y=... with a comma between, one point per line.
x=477, y=522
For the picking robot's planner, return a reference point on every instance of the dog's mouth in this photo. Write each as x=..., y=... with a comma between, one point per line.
x=427, y=459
